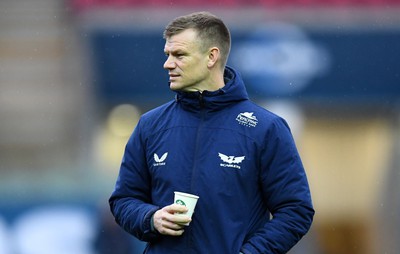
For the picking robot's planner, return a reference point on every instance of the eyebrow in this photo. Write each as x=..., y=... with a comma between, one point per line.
x=175, y=51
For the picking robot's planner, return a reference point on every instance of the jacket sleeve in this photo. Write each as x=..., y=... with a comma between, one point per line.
x=286, y=193
x=130, y=202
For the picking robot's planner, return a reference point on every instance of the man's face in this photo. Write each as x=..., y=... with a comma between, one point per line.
x=186, y=62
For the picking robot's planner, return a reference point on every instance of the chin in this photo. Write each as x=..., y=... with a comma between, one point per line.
x=174, y=87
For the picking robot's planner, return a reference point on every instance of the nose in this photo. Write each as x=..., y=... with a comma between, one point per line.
x=169, y=63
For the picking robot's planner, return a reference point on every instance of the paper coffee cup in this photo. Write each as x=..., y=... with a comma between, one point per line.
x=188, y=200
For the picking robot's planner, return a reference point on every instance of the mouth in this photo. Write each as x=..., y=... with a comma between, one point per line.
x=173, y=76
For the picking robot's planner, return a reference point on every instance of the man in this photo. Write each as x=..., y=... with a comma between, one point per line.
x=213, y=142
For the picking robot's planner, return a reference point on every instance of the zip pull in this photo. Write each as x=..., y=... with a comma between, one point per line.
x=201, y=99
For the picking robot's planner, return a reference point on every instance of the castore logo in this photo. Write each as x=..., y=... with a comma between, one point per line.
x=160, y=161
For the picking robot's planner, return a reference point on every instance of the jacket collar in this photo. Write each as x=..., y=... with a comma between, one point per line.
x=233, y=91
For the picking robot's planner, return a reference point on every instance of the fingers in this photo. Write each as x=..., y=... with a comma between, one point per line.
x=175, y=208
x=167, y=220
x=170, y=228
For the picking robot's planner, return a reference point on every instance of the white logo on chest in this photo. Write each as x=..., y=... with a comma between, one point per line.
x=230, y=161
x=247, y=119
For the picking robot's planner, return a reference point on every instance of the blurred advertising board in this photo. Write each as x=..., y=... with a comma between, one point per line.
x=277, y=60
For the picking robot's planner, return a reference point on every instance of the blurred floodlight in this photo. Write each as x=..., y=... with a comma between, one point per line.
x=122, y=119
x=111, y=137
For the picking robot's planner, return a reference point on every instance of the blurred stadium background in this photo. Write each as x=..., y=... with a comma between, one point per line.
x=76, y=75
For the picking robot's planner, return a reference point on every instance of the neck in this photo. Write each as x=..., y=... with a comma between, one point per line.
x=216, y=82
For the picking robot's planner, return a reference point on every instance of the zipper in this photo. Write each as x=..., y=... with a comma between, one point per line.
x=195, y=163
x=198, y=139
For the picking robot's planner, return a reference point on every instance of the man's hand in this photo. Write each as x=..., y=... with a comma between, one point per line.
x=166, y=222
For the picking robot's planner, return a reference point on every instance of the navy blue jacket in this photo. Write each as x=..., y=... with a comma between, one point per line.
x=239, y=158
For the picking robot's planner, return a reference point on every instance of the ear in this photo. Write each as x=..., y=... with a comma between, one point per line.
x=213, y=56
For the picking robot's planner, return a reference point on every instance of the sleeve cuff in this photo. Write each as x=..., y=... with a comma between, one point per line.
x=152, y=224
